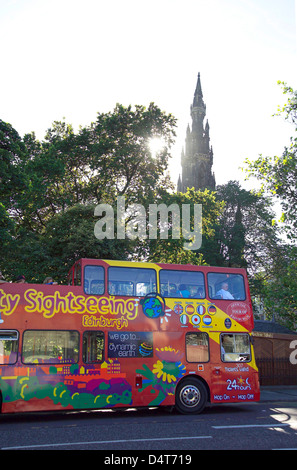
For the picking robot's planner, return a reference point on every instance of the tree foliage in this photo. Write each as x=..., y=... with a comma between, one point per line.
x=172, y=250
x=49, y=188
x=278, y=176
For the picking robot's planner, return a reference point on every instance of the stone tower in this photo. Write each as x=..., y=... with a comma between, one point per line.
x=197, y=158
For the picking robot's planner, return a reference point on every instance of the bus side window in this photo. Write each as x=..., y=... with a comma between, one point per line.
x=93, y=346
x=197, y=347
x=50, y=347
x=185, y=284
x=8, y=346
x=94, y=280
x=226, y=286
x=235, y=347
x=126, y=281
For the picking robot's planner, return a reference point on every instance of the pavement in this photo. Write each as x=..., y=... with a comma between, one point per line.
x=278, y=393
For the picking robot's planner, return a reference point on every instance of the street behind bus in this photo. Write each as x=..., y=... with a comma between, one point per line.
x=268, y=425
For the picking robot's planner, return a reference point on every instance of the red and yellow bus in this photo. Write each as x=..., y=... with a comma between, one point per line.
x=128, y=334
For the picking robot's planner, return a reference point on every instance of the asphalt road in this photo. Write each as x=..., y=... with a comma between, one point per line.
x=221, y=427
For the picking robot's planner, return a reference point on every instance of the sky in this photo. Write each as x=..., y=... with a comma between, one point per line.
x=72, y=59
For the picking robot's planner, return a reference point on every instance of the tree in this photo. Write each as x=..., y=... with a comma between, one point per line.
x=69, y=235
x=278, y=176
x=51, y=187
x=243, y=235
x=172, y=250
x=277, y=288
x=12, y=158
x=246, y=234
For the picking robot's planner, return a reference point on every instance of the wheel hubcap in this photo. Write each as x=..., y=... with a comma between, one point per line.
x=190, y=395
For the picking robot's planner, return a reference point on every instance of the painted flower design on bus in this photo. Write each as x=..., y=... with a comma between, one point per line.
x=164, y=375
x=168, y=371
x=169, y=368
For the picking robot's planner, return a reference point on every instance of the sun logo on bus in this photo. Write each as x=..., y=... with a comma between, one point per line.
x=153, y=306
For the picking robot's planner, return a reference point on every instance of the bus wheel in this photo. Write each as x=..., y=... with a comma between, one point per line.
x=191, y=396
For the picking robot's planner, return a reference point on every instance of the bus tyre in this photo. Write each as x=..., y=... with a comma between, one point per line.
x=191, y=396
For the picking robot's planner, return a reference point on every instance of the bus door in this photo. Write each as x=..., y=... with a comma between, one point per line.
x=234, y=376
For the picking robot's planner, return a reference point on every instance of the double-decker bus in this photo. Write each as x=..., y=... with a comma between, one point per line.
x=128, y=334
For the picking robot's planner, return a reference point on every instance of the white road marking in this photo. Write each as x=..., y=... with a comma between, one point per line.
x=60, y=444
x=274, y=425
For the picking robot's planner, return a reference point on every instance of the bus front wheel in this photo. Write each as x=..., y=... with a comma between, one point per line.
x=191, y=396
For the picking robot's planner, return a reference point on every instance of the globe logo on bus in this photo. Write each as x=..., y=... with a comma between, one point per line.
x=152, y=307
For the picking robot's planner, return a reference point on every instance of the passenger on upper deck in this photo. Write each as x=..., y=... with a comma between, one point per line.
x=2, y=280
x=49, y=280
x=183, y=291
x=21, y=279
x=224, y=293
x=199, y=294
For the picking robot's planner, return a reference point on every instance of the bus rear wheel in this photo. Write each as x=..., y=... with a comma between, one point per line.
x=191, y=396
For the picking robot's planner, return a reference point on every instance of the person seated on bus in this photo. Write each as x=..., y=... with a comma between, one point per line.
x=2, y=280
x=173, y=292
x=49, y=280
x=199, y=294
x=223, y=352
x=21, y=279
x=223, y=293
x=183, y=291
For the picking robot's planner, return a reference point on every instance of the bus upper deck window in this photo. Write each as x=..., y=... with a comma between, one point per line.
x=94, y=280
x=226, y=286
x=128, y=281
x=176, y=283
